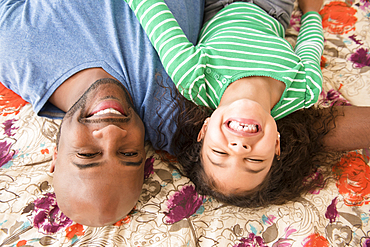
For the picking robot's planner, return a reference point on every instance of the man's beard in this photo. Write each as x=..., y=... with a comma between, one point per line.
x=80, y=104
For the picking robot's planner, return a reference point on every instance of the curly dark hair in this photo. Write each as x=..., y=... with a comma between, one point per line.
x=303, y=165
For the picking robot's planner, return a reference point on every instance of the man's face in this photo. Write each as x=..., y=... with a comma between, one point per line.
x=99, y=162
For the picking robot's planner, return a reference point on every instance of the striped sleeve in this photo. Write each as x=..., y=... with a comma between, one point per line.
x=179, y=56
x=309, y=48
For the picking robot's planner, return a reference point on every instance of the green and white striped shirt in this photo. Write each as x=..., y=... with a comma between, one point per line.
x=242, y=40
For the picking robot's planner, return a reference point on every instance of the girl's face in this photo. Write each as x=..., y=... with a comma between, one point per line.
x=240, y=141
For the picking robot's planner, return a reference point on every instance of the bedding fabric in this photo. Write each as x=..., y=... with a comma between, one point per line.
x=170, y=212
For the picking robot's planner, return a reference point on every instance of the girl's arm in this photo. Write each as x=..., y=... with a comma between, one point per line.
x=309, y=48
x=177, y=54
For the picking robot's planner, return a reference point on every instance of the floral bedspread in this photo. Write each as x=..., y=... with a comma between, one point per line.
x=169, y=212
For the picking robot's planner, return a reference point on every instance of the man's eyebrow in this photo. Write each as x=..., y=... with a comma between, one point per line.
x=95, y=164
x=247, y=169
x=84, y=166
x=132, y=163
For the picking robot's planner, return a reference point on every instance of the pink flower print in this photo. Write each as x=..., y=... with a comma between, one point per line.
x=364, y=5
x=360, y=58
x=148, y=167
x=183, y=204
x=295, y=20
x=331, y=211
x=251, y=241
x=47, y=217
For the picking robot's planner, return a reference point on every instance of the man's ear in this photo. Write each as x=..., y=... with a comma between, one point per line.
x=203, y=130
x=52, y=166
x=277, y=146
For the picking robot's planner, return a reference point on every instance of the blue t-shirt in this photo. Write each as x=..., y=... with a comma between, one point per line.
x=44, y=42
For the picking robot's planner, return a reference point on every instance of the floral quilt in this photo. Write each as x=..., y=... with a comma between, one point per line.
x=170, y=212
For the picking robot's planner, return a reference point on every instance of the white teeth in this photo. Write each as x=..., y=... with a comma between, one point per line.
x=106, y=111
x=252, y=128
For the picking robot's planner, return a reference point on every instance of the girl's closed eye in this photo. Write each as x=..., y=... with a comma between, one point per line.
x=254, y=160
x=218, y=152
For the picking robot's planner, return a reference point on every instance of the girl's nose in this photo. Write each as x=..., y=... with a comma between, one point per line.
x=239, y=147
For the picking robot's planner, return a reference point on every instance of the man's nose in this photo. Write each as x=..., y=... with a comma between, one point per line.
x=239, y=147
x=110, y=132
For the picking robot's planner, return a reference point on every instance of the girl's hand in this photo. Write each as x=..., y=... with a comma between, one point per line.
x=310, y=5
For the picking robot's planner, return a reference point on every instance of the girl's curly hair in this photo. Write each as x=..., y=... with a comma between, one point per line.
x=303, y=165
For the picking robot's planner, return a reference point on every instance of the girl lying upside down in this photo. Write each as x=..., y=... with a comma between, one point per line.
x=244, y=69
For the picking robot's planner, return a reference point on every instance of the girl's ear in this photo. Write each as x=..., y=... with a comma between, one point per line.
x=52, y=166
x=277, y=146
x=203, y=130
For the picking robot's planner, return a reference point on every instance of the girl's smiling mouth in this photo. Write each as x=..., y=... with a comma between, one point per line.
x=244, y=127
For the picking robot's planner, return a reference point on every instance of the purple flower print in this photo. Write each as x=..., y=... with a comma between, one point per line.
x=148, y=168
x=365, y=242
x=336, y=98
x=47, y=217
x=183, y=204
x=360, y=58
x=9, y=128
x=6, y=154
x=251, y=241
x=354, y=38
x=319, y=178
x=333, y=97
x=331, y=211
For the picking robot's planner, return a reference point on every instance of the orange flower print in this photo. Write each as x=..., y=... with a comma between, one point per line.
x=323, y=62
x=315, y=240
x=21, y=243
x=125, y=220
x=74, y=230
x=338, y=17
x=10, y=102
x=45, y=151
x=353, y=176
x=164, y=156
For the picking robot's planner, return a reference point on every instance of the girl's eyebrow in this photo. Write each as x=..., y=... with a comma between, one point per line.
x=223, y=166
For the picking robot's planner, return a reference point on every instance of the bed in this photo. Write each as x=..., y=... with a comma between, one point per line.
x=170, y=212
